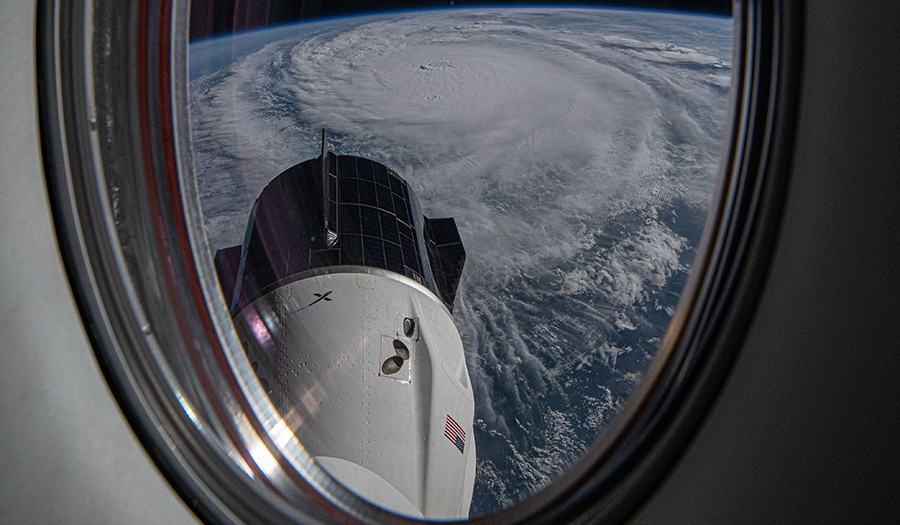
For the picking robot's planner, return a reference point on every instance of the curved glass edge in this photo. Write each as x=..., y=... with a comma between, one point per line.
x=279, y=440
x=145, y=365
x=109, y=170
x=635, y=452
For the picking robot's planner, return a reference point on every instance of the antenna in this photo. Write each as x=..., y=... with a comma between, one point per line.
x=329, y=197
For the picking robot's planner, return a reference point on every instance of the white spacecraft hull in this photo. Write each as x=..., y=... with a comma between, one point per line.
x=401, y=440
x=342, y=293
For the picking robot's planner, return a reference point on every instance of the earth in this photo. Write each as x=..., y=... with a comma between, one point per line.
x=577, y=150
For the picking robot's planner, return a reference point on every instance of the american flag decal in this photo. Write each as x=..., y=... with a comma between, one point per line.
x=455, y=434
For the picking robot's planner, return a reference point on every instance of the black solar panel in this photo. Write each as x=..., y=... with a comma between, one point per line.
x=389, y=230
x=373, y=252
x=446, y=255
x=351, y=250
x=404, y=229
x=368, y=222
x=410, y=255
x=369, y=208
x=381, y=175
x=393, y=257
x=332, y=163
x=350, y=221
x=346, y=166
x=349, y=191
x=364, y=169
x=367, y=193
x=385, y=198
x=401, y=208
x=396, y=184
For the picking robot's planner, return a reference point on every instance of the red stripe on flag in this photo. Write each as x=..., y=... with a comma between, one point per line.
x=455, y=425
x=453, y=431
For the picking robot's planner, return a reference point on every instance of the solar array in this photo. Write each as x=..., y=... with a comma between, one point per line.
x=353, y=212
x=447, y=256
x=375, y=222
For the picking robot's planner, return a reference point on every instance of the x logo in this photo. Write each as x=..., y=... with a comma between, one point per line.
x=320, y=297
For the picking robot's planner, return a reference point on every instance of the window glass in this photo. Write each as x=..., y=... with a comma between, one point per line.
x=576, y=149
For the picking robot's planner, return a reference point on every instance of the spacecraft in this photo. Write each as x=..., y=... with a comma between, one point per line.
x=342, y=293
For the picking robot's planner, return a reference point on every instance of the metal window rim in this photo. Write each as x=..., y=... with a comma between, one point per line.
x=113, y=103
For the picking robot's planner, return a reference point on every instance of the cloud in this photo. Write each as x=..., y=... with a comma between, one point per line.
x=572, y=148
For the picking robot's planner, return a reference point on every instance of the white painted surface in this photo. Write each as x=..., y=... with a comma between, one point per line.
x=67, y=454
x=321, y=354
x=369, y=485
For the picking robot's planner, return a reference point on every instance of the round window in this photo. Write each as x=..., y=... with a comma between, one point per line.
x=483, y=263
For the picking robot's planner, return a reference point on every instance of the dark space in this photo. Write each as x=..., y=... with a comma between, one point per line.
x=216, y=17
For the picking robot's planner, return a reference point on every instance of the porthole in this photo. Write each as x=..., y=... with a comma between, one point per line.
x=168, y=231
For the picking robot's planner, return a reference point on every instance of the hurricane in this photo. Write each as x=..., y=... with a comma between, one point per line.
x=577, y=149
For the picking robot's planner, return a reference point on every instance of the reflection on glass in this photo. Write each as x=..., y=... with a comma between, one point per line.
x=577, y=151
